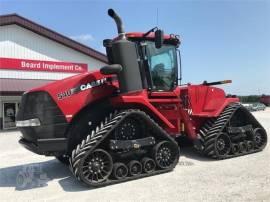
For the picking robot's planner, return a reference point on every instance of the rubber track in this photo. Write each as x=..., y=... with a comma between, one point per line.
x=213, y=127
x=92, y=141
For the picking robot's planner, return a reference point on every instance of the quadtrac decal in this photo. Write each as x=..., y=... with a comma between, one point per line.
x=80, y=88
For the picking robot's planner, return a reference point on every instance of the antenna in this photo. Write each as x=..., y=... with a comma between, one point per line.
x=157, y=17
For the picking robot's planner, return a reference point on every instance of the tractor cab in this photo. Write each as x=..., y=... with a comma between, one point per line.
x=160, y=59
x=142, y=60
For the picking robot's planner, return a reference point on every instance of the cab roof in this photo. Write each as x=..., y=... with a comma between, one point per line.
x=171, y=39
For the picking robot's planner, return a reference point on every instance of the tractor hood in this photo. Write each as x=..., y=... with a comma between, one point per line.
x=73, y=93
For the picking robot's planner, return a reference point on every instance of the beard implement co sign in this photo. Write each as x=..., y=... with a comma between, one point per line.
x=40, y=65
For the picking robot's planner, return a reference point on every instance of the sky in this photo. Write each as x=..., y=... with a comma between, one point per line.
x=219, y=39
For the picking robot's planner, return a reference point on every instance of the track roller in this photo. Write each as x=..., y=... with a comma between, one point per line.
x=250, y=145
x=120, y=171
x=235, y=148
x=148, y=165
x=134, y=167
x=242, y=147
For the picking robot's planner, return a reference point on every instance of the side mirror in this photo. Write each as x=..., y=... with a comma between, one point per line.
x=159, y=38
x=111, y=69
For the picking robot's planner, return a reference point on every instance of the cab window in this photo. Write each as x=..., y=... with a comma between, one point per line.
x=163, y=66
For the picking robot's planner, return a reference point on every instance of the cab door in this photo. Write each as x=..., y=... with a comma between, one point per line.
x=162, y=64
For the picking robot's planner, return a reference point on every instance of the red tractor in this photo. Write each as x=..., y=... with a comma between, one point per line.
x=121, y=123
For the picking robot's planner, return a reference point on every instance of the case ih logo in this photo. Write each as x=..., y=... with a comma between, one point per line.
x=80, y=88
x=92, y=84
x=40, y=65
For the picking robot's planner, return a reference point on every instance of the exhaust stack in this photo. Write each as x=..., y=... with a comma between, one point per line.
x=118, y=21
x=123, y=53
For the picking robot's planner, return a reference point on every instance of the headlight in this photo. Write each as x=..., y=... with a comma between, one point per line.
x=27, y=123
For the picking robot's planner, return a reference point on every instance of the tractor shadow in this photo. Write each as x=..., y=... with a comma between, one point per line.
x=188, y=151
x=38, y=175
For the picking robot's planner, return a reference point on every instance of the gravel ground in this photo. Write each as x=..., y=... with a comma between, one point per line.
x=195, y=178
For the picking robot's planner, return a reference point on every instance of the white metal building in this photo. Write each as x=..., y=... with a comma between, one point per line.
x=32, y=55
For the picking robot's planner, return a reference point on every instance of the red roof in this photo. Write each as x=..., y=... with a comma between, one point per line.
x=20, y=85
x=151, y=35
x=175, y=39
x=50, y=34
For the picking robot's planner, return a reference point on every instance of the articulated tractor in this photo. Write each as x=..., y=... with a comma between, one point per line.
x=122, y=122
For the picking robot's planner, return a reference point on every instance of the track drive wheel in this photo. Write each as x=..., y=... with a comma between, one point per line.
x=148, y=165
x=260, y=138
x=96, y=167
x=131, y=128
x=165, y=155
x=223, y=145
x=120, y=171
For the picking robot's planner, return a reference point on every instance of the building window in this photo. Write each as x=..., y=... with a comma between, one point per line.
x=9, y=114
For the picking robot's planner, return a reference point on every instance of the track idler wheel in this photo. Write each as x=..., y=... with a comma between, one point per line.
x=120, y=171
x=223, y=145
x=96, y=167
x=148, y=165
x=165, y=155
x=134, y=167
x=260, y=138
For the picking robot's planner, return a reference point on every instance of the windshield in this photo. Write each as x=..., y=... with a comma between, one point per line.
x=163, y=66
